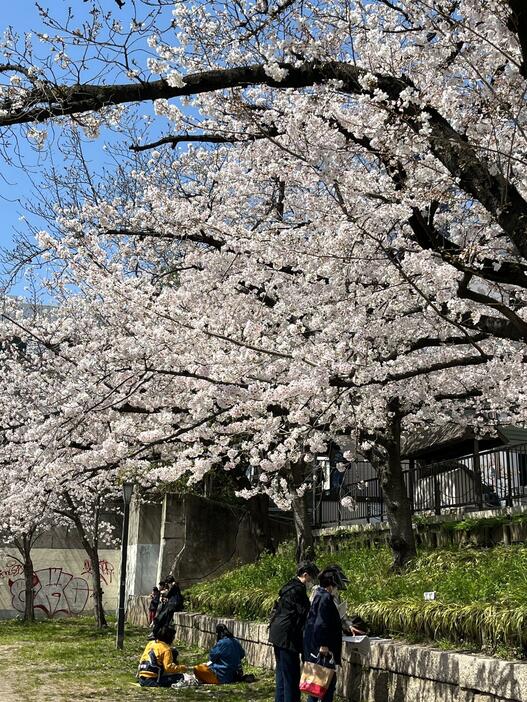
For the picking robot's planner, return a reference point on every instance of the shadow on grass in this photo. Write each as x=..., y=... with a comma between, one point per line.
x=75, y=661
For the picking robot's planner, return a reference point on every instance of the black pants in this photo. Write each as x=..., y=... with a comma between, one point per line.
x=287, y=675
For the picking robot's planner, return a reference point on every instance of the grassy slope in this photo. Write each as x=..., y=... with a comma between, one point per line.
x=481, y=593
x=68, y=659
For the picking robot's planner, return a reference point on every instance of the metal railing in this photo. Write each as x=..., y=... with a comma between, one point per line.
x=489, y=479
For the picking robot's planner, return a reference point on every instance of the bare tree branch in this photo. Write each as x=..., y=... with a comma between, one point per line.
x=202, y=138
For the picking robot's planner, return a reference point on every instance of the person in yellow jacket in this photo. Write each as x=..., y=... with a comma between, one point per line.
x=156, y=666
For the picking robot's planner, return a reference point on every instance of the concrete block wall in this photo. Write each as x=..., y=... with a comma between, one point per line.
x=434, y=532
x=393, y=671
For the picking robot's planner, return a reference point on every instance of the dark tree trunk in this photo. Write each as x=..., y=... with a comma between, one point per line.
x=25, y=550
x=305, y=547
x=258, y=507
x=92, y=549
x=98, y=609
x=386, y=459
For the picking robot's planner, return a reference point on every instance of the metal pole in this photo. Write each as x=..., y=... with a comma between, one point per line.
x=477, y=475
x=508, y=499
x=411, y=484
x=122, y=584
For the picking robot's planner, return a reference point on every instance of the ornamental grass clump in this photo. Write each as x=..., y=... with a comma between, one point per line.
x=481, y=593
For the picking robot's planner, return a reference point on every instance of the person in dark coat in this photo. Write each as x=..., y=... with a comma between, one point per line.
x=323, y=631
x=174, y=603
x=286, y=632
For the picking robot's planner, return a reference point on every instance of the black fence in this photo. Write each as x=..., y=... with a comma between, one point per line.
x=484, y=480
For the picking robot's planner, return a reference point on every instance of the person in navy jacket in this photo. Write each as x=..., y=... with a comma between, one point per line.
x=323, y=630
x=225, y=659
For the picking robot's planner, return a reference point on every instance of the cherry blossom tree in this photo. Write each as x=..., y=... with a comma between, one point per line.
x=337, y=249
x=39, y=488
x=298, y=374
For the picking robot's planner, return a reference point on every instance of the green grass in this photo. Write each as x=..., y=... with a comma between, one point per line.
x=68, y=659
x=481, y=593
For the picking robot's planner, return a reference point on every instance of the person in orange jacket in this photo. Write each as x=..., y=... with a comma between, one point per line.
x=156, y=666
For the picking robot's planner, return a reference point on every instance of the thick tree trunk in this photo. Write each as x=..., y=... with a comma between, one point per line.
x=398, y=511
x=386, y=459
x=258, y=507
x=98, y=609
x=305, y=548
x=29, y=605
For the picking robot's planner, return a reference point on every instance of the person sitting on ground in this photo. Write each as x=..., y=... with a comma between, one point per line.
x=157, y=667
x=225, y=660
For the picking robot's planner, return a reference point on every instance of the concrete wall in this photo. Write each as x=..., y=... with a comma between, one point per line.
x=202, y=538
x=392, y=672
x=143, y=547
x=192, y=537
x=434, y=532
x=62, y=579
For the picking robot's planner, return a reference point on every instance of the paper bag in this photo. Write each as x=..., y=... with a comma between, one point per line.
x=315, y=679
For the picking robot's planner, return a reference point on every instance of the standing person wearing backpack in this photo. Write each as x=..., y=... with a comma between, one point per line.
x=157, y=667
x=286, y=631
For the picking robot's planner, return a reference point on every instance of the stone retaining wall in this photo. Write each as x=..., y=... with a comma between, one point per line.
x=434, y=531
x=393, y=671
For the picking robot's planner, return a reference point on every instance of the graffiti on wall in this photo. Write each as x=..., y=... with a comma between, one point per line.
x=61, y=585
x=11, y=570
x=106, y=570
x=57, y=593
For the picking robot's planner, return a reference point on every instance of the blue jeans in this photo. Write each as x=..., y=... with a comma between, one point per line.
x=164, y=680
x=287, y=675
x=328, y=697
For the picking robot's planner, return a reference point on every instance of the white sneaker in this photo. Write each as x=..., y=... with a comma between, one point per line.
x=188, y=681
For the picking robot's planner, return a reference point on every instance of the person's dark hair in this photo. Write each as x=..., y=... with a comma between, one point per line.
x=223, y=633
x=155, y=589
x=162, y=584
x=170, y=579
x=167, y=634
x=327, y=578
x=309, y=568
x=340, y=576
x=341, y=579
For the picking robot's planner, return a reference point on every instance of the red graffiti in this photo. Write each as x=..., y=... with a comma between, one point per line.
x=56, y=592
x=11, y=570
x=106, y=570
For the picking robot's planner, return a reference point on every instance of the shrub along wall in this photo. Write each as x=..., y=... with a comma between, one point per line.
x=481, y=593
x=392, y=671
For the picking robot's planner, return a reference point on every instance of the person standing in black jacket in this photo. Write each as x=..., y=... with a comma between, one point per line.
x=286, y=631
x=323, y=631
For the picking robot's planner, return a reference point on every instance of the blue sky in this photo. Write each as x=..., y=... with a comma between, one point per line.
x=14, y=182
x=20, y=183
